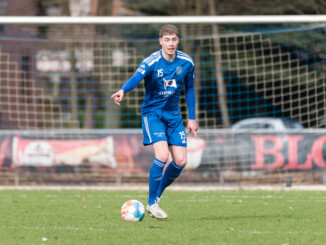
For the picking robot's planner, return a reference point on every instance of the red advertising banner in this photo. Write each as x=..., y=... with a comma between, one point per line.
x=266, y=151
x=5, y=151
x=121, y=152
x=290, y=160
x=125, y=153
x=46, y=153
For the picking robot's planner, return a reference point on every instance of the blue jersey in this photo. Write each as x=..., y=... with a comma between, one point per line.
x=164, y=81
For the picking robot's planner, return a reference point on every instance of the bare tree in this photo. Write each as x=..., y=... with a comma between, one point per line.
x=222, y=98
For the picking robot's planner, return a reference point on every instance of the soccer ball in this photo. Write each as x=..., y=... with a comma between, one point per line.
x=132, y=211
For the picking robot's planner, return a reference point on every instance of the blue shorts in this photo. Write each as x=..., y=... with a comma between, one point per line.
x=164, y=126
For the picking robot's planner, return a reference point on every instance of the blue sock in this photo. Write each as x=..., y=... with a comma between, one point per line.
x=155, y=176
x=172, y=172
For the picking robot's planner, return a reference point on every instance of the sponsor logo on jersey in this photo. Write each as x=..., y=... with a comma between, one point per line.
x=169, y=83
x=167, y=93
x=179, y=69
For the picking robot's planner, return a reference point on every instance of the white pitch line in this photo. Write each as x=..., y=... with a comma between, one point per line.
x=69, y=228
x=176, y=187
x=258, y=232
x=280, y=232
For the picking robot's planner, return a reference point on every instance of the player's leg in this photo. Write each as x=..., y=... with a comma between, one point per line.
x=161, y=151
x=154, y=133
x=174, y=169
x=177, y=141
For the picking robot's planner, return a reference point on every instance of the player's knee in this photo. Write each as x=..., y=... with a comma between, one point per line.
x=181, y=160
x=163, y=157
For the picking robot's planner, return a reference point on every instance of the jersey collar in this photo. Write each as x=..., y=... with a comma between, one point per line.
x=166, y=61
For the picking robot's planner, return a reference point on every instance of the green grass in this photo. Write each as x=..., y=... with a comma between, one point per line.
x=208, y=217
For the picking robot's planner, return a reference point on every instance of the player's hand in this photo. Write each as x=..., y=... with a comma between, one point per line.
x=118, y=96
x=192, y=127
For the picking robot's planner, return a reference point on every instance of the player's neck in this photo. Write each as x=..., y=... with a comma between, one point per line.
x=168, y=57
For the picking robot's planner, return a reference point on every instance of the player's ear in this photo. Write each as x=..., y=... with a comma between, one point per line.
x=160, y=40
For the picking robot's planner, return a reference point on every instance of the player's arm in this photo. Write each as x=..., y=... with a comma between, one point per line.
x=129, y=85
x=191, y=103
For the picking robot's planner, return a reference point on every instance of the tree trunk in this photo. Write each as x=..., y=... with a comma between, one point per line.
x=73, y=88
x=222, y=98
x=88, y=120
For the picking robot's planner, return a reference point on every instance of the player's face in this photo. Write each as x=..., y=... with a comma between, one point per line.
x=169, y=44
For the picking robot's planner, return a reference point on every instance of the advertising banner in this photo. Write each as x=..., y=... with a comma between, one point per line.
x=47, y=153
x=220, y=149
x=125, y=153
x=266, y=151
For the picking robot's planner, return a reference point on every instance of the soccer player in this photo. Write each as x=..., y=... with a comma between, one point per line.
x=165, y=72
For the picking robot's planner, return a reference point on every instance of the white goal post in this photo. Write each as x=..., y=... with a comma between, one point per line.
x=258, y=19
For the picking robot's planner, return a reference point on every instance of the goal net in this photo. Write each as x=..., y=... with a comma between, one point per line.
x=59, y=77
x=57, y=80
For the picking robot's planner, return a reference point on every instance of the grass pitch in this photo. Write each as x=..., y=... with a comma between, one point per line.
x=207, y=217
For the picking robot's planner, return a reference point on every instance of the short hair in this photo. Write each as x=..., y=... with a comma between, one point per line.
x=168, y=30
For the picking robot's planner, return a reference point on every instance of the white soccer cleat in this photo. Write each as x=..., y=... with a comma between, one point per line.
x=158, y=199
x=156, y=212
